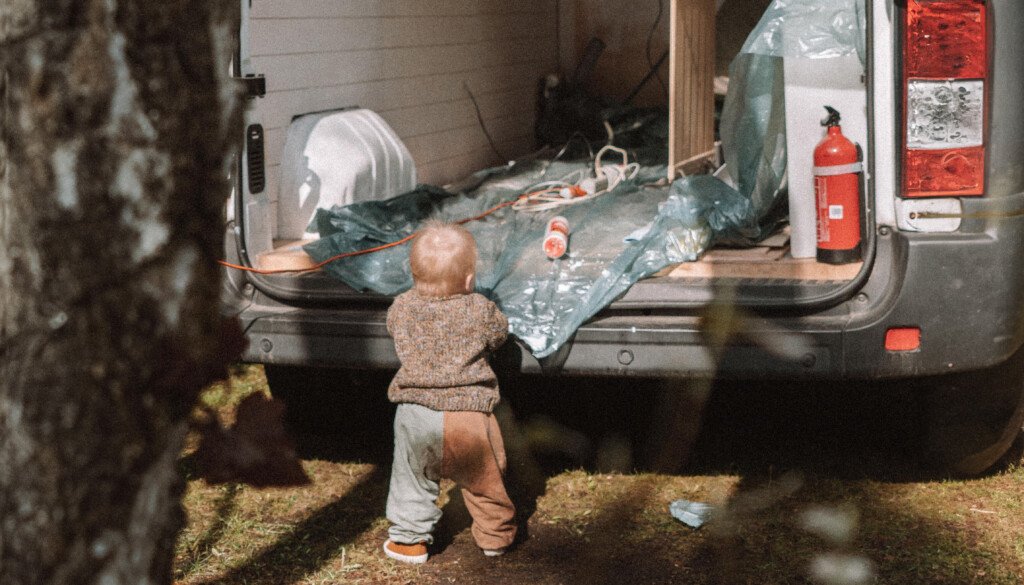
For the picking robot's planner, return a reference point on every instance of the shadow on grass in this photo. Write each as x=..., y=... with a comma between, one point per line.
x=604, y=552
x=854, y=444
x=849, y=430
x=850, y=444
x=311, y=543
x=760, y=539
x=771, y=532
x=674, y=426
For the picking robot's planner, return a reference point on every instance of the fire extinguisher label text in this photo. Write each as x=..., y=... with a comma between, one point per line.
x=835, y=212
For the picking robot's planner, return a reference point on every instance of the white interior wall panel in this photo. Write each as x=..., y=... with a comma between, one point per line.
x=278, y=107
x=408, y=60
x=369, y=8
x=437, y=118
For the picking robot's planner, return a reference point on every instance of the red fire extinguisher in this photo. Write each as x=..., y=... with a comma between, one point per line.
x=837, y=169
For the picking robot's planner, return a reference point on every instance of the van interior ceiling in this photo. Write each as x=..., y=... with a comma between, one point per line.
x=363, y=106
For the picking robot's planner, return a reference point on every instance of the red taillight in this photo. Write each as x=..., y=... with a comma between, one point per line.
x=903, y=339
x=946, y=38
x=945, y=72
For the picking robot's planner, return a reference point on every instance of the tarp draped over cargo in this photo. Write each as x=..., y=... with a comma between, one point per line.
x=747, y=205
x=631, y=232
x=616, y=239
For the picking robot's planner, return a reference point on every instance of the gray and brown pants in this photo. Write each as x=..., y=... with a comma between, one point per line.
x=463, y=446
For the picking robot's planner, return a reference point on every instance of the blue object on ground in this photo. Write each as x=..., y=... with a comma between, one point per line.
x=693, y=514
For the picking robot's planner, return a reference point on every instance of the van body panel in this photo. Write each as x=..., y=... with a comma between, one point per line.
x=1005, y=141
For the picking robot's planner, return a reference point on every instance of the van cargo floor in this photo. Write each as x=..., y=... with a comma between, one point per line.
x=770, y=260
x=761, y=263
x=764, y=274
x=765, y=263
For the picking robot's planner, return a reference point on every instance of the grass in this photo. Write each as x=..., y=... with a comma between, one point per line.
x=244, y=380
x=590, y=527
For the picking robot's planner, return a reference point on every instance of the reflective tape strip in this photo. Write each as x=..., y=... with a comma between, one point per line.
x=981, y=215
x=838, y=170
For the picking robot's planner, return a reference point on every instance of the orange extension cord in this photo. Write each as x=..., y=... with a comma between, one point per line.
x=320, y=265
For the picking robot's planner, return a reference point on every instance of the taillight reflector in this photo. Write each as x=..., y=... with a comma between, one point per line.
x=946, y=38
x=903, y=339
x=957, y=171
x=945, y=70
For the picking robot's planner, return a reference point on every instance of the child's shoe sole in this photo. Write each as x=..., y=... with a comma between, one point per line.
x=415, y=554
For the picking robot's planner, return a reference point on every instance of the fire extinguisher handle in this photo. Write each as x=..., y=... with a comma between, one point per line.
x=833, y=117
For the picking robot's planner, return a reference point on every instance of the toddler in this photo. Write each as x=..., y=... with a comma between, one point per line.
x=445, y=391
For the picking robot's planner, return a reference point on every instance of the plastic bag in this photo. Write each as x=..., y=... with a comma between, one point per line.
x=753, y=132
x=546, y=301
x=812, y=29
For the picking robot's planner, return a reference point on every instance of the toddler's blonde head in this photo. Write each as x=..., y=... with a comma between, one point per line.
x=443, y=260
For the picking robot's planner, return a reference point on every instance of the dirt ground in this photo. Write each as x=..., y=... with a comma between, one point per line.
x=810, y=485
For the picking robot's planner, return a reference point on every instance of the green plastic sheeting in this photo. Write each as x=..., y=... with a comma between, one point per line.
x=616, y=239
x=545, y=300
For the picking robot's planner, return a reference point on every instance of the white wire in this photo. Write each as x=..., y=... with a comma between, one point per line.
x=569, y=180
x=579, y=174
x=547, y=203
x=551, y=197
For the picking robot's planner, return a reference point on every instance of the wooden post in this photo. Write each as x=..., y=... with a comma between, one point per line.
x=691, y=81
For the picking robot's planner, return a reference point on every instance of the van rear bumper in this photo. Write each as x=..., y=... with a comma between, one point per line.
x=614, y=345
x=964, y=291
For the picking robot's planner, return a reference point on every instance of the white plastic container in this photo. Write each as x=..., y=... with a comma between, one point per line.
x=338, y=158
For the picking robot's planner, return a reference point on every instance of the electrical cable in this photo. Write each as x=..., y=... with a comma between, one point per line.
x=647, y=78
x=483, y=126
x=320, y=265
x=576, y=134
x=553, y=194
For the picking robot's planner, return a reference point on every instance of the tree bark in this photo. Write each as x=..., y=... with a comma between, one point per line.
x=117, y=122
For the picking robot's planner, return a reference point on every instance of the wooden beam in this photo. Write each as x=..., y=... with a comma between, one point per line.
x=691, y=80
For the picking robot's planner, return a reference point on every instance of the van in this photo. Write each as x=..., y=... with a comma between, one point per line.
x=936, y=303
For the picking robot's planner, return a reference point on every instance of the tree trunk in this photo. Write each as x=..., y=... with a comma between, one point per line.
x=117, y=122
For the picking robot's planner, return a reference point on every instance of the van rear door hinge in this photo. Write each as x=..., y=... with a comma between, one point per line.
x=255, y=85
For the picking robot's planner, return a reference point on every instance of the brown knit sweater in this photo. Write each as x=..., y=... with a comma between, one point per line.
x=443, y=344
